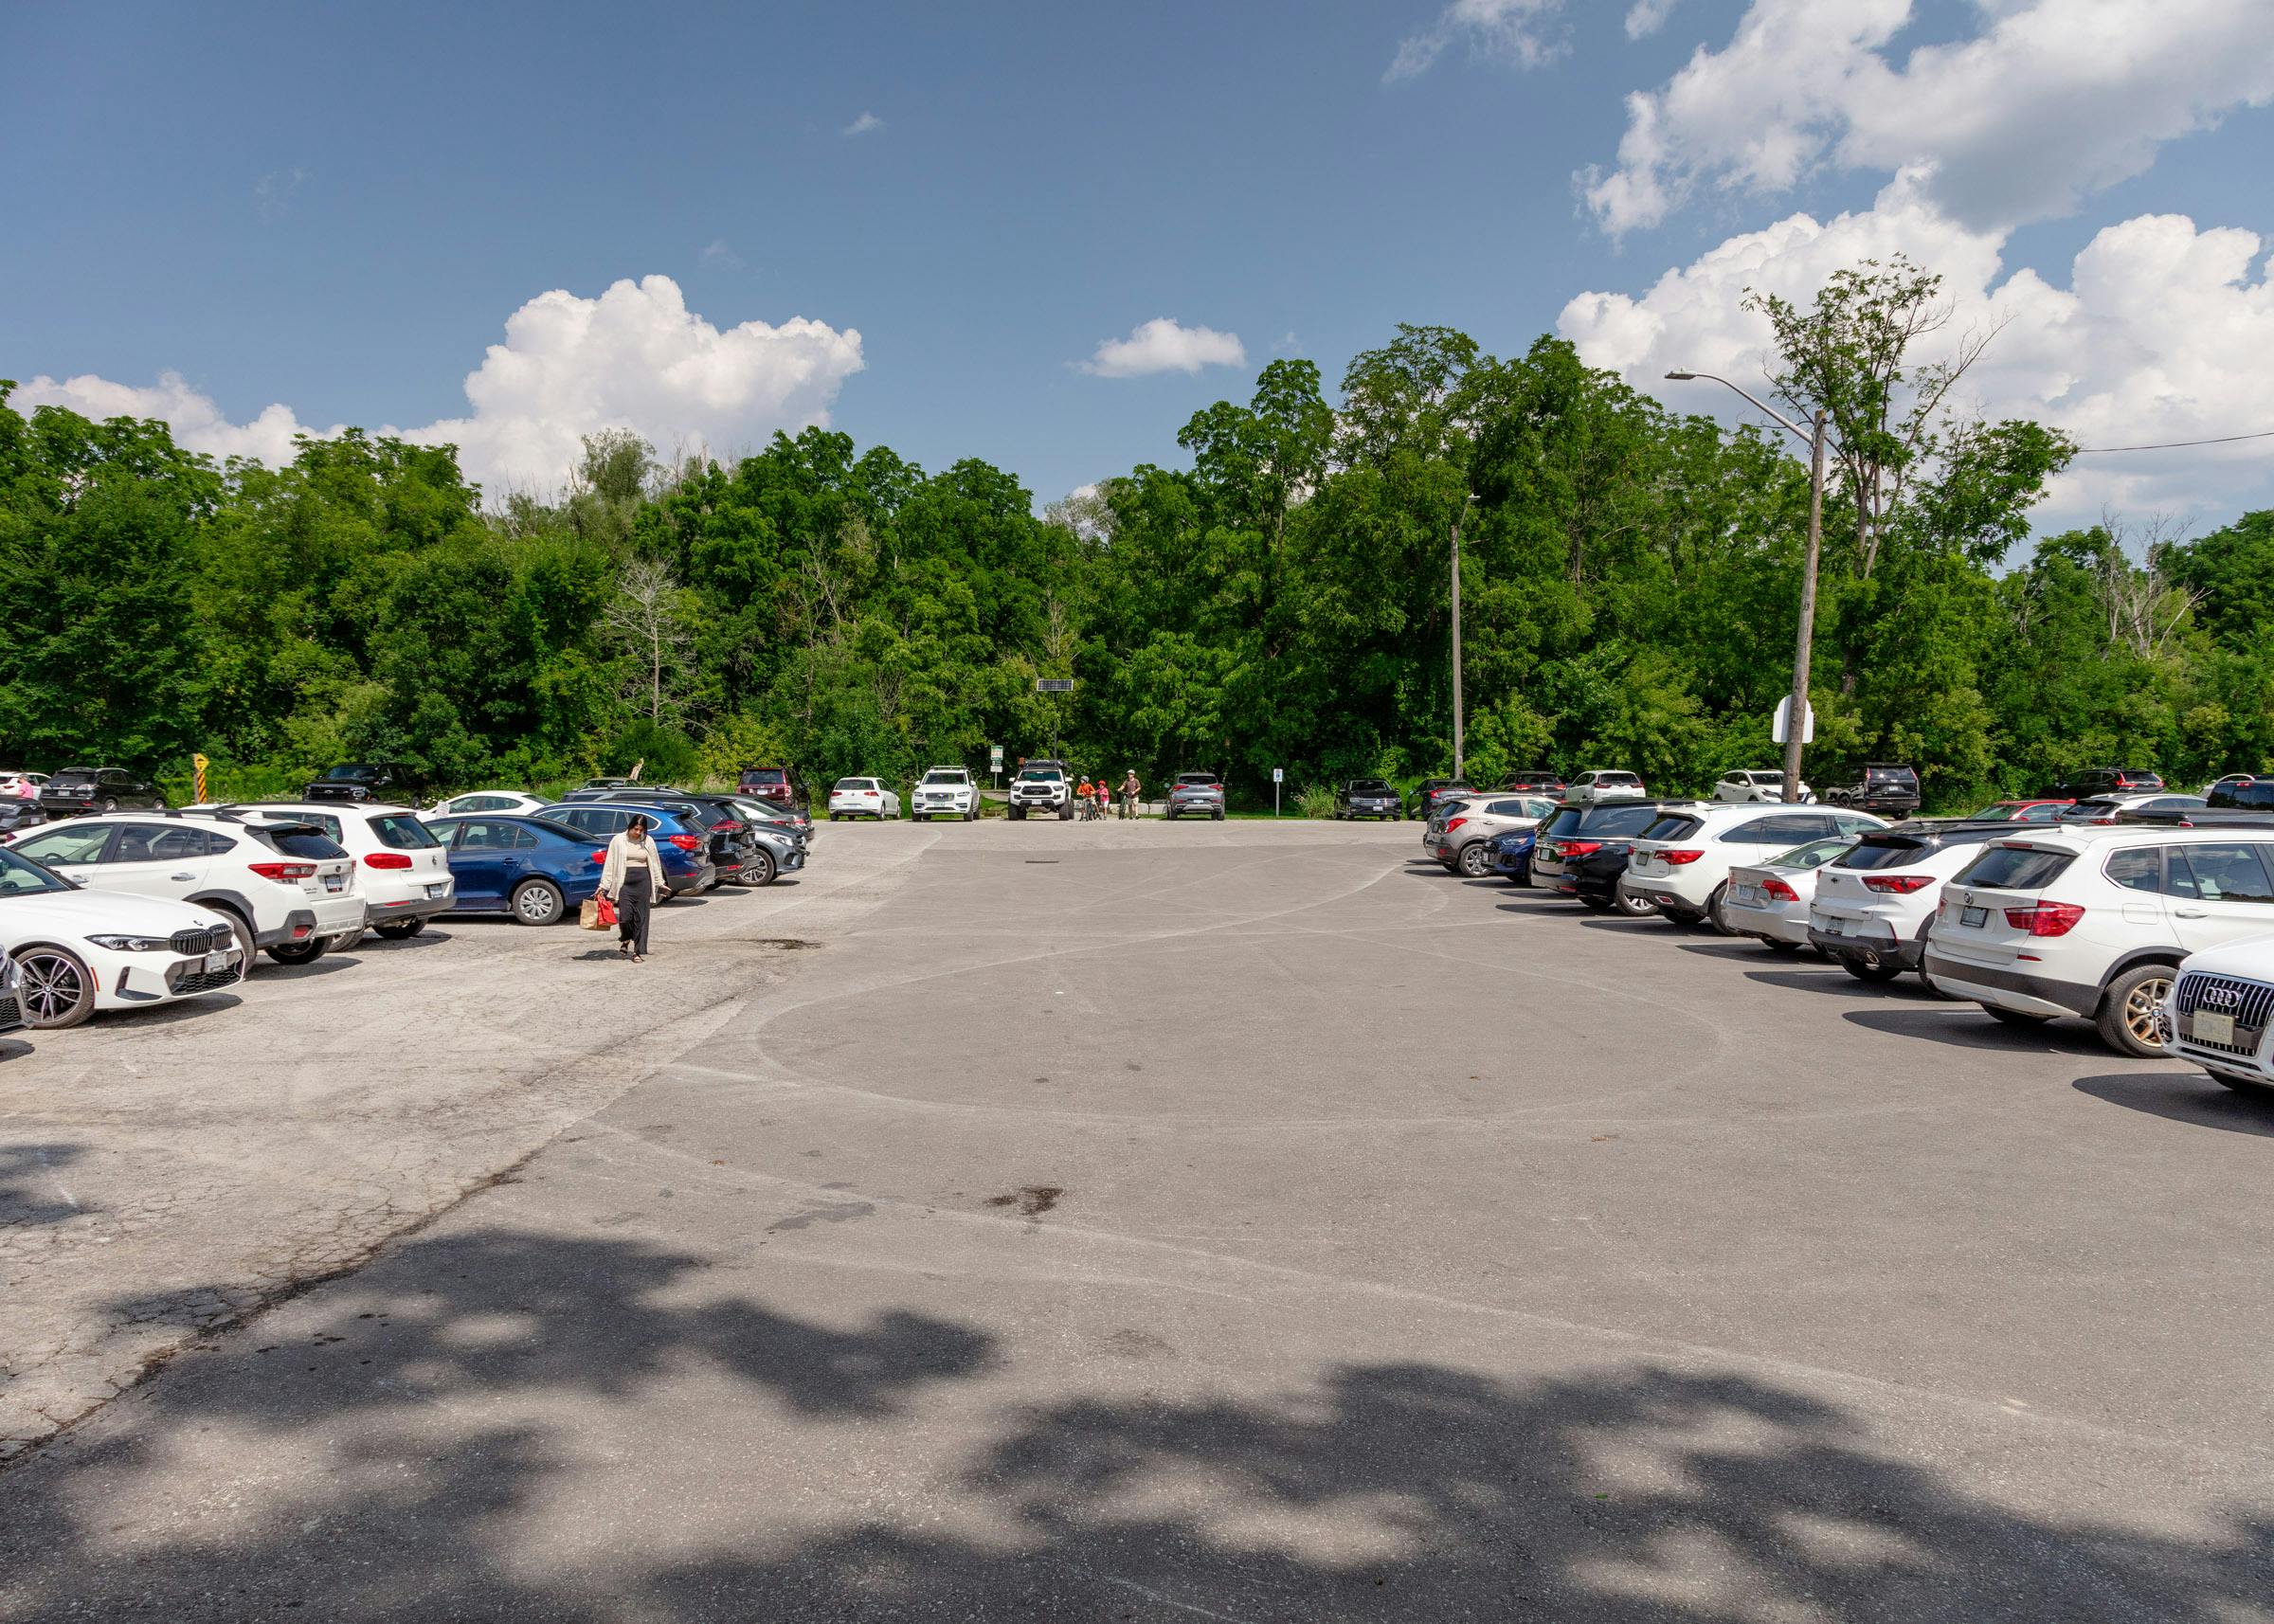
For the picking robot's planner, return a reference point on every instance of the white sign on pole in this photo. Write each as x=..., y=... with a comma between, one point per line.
x=994, y=758
x=1278, y=775
x=1781, y=731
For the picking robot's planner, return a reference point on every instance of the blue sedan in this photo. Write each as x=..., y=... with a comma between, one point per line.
x=538, y=871
x=1512, y=855
x=684, y=843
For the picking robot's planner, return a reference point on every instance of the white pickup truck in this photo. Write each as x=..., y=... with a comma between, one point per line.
x=1041, y=787
x=946, y=792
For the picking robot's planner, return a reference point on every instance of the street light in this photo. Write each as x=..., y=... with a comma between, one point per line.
x=1797, y=723
x=1456, y=632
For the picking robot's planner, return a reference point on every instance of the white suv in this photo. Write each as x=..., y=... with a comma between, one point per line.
x=1754, y=783
x=2094, y=922
x=1600, y=784
x=404, y=871
x=1876, y=900
x=1682, y=861
x=289, y=890
x=2220, y=1013
x=946, y=792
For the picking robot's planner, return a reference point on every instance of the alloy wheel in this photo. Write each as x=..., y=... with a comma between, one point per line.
x=55, y=989
x=2143, y=1011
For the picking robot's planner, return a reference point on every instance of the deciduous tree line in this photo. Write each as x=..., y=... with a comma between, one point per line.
x=1630, y=578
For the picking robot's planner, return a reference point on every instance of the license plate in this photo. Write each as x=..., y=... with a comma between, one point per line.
x=1745, y=893
x=335, y=881
x=1832, y=927
x=2211, y=1027
x=434, y=890
x=216, y=963
x=1974, y=918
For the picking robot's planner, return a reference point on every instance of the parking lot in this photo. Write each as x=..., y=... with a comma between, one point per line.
x=1150, y=1221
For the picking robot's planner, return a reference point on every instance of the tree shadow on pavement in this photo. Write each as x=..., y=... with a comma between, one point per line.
x=432, y=1437
x=2189, y=1096
x=32, y=1188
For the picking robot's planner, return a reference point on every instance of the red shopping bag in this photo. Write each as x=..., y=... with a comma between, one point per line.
x=608, y=912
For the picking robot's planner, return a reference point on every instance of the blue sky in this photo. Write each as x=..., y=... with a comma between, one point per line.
x=334, y=210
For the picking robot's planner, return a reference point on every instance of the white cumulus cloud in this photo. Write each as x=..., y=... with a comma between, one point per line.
x=634, y=357
x=2050, y=101
x=1647, y=17
x=1510, y=30
x=2158, y=335
x=1162, y=345
x=868, y=123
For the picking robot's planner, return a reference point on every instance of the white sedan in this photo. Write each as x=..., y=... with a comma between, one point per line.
x=862, y=798
x=1770, y=900
x=512, y=802
x=77, y=952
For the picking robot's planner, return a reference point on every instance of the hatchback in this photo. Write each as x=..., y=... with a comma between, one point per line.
x=862, y=798
x=406, y=878
x=1461, y=842
x=1604, y=785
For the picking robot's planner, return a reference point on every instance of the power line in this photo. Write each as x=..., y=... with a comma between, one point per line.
x=2175, y=444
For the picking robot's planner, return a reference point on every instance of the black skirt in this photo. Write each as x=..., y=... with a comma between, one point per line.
x=635, y=900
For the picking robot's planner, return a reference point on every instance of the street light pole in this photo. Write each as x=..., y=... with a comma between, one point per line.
x=1456, y=632
x=1797, y=721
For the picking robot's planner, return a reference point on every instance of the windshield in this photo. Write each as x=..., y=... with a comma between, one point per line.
x=355, y=772
x=19, y=876
x=1619, y=820
x=1891, y=775
x=857, y=783
x=1040, y=775
x=1673, y=826
x=402, y=834
x=947, y=775
x=1814, y=855
x=1566, y=819
x=1370, y=787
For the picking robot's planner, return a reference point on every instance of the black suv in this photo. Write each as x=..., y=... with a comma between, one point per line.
x=2242, y=792
x=1367, y=798
x=97, y=790
x=778, y=784
x=385, y=781
x=1583, y=851
x=2099, y=781
x=1432, y=791
x=1548, y=783
x=1889, y=788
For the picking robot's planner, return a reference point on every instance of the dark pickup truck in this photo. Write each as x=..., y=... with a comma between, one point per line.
x=1889, y=788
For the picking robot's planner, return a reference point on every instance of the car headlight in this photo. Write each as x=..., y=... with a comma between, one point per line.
x=133, y=944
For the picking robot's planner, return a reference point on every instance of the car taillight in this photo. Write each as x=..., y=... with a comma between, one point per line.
x=1899, y=884
x=1777, y=889
x=726, y=828
x=1677, y=858
x=2045, y=918
x=1580, y=848
x=385, y=860
x=1454, y=824
x=686, y=843
x=601, y=855
x=285, y=874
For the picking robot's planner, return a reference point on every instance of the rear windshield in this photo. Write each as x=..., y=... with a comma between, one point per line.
x=1566, y=819
x=2011, y=868
x=1199, y=778
x=1617, y=777
x=403, y=832
x=1812, y=856
x=1891, y=775
x=857, y=783
x=1884, y=855
x=75, y=775
x=305, y=843
x=1619, y=820
x=2258, y=794
x=1673, y=826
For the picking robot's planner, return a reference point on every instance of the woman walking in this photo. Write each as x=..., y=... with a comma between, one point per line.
x=631, y=879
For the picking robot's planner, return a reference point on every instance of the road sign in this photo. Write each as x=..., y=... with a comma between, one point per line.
x=1278, y=775
x=1781, y=730
x=994, y=758
x=1053, y=684
x=198, y=764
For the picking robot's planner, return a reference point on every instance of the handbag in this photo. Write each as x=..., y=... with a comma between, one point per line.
x=608, y=912
x=596, y=914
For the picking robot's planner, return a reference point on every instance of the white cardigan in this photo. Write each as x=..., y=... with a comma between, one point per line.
x=611, y=872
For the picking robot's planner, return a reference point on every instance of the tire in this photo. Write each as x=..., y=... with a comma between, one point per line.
x=762, y=866
x=247, y=949
x=1018, y=814
x=298, y=952
x=110, y=804
x=1215, y=816
x=2129, y=1011
x=400, y=930
x=1876, y=970
x=1065, y=814
x=1476, y=862
x=2015, y=1016
x=1714, y=915
x=538, y=902
x=1171, y=815
x=1595, y=905
x=57, y=991
x=972, y=816
x=1633, y=906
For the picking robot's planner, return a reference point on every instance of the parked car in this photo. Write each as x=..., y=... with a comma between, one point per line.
x=2103, y=810
x=2220, y=1013
x=486, y=801
x=774, y=814
x=680, y=838
x=2101, y=781
x=1461, y=840
x=17, y=784
x=18, y=814
x=289, y=889
x=2242, y=791
x=862, y=798
x=1041, y=787
x=1368, y=797
x=946, y=792
x=1876, y=901
x=1432, y=791
x=1889, y=788
x=404, y=875
x=1512, y=855
x=1540, y=783
x=1769, y=899
x=1446, y=809
x=2095, y=923
x=779, y=784
x=390, y=783
x=69, y=950
x=2022, y=812
x=1756, y=783
x=732, y=840
x=97, y=790
x=1576, y=833
x=1681, y=863
x=1602, y=784
x=1195, y=795
x=537, y=869
x=778, y=847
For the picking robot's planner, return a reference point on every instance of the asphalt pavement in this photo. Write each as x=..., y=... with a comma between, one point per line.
x=1236, y=1221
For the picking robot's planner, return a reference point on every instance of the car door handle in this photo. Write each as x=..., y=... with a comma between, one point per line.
x=2191, y=913
x=181, y=877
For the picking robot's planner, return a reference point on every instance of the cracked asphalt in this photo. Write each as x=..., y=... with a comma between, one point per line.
x=1234, y=1221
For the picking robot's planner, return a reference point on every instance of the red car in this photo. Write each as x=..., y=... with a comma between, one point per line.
x=2022, y=812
